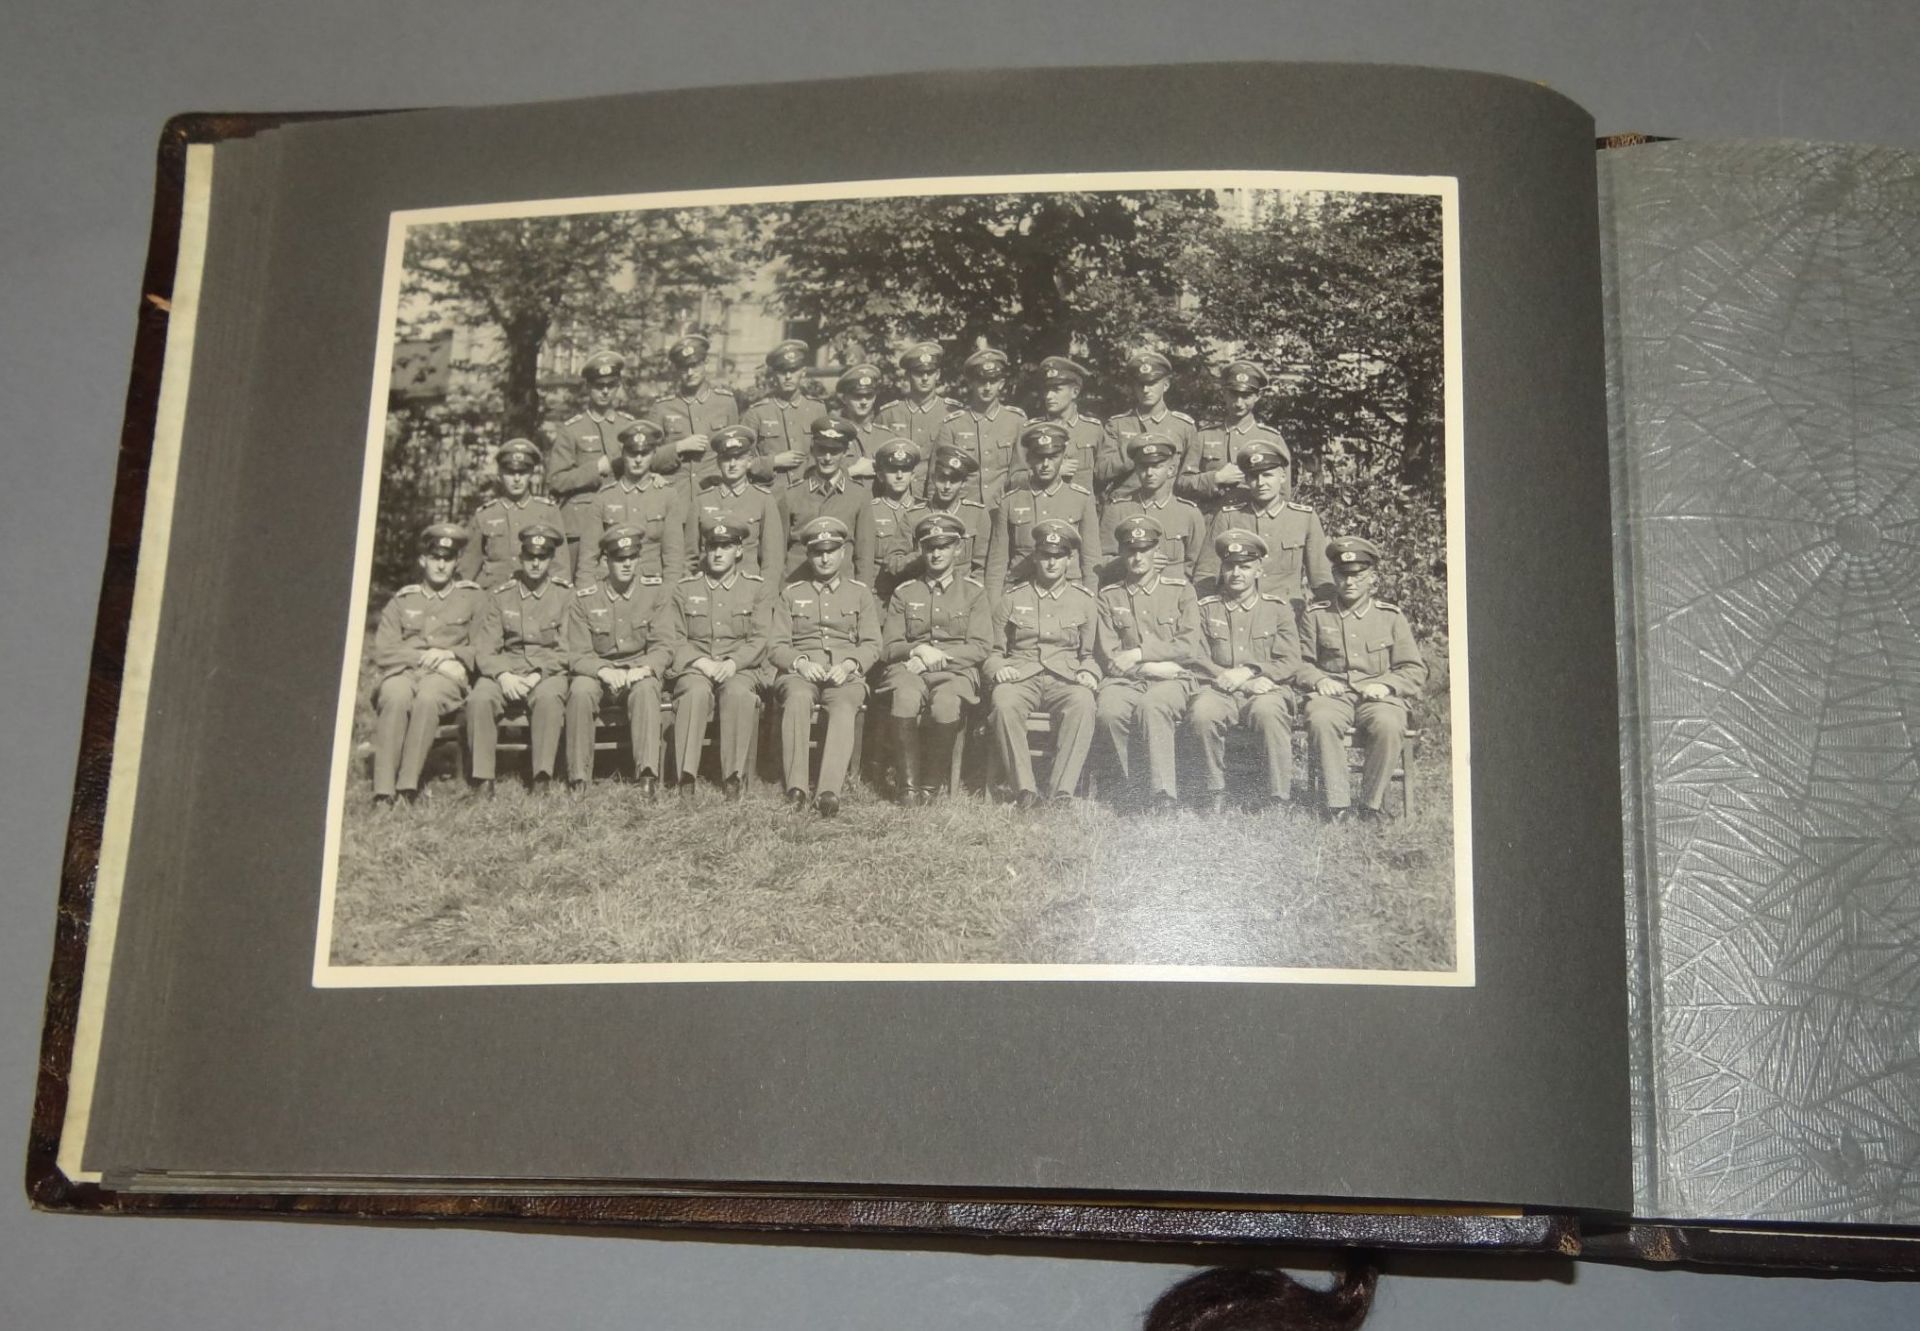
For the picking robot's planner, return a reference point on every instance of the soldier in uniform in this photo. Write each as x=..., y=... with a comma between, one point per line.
x=1042, y=655
x=920, y=413
x=1252, y=654
x=781, y=420
x=1047, y=496
x=423, y=652
x=936, y=632
x=1150, y=415
x=1218, y=473
x=616, y=647
x=1148, y=637
x=1296, y=563
x=824, y=488
x=857, y=394
x=891, y=517
x=719, y=625
x=986, y=428
x=1149, y=493
x=826, y=636
x=691, y=415
x=638, y=497
x=733, y=497
x=1086, y=437
x=949, y=476
x=1361, y=670
x=522, y=661
x=586, y=444
x=494, y=552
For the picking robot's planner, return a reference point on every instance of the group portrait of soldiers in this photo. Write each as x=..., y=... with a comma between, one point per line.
x=955, y=561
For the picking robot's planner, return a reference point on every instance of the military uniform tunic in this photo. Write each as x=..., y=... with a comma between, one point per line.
x=1048, y=636
x=573, y=465
x=494, y=552
x=411, y=698
x=1221, y=444
x=730, y=620
x=1368, y=644
x=1255, y=631
x=657, y=507
x=1183, y=529
x=1086, y=441
x=1011, y=541
x=808, y=496
x=992, y=439
x=522, y=632
x=826, y=623
x=679, y=416
x=1124, y=428
x=1159, y=617
x=620, y=630
x=751, y=505
x=1296, y=566
x=892, y=552
x=783, y=424
x=952, y=613
x=918, y=421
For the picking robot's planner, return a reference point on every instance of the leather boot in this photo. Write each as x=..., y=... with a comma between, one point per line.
x=906, y=757
x=940, y=739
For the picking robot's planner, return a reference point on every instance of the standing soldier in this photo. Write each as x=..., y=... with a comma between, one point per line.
x=586, y=444
x=1218, y=475
x=642, y=498
x=692, y=414
x=935, y=639
x=1016, y=517
x=857, y=394
x=1296, y=563
x=780, y=421
x=823, y=488
x=423, y=651
x=891, y=517
x=522, y=661
x=1042, y=655
x=1362, y=669
x=490, y=558
x=826, y=636
x=718, y=628
x=949, y=476
x=986, y=429
x=1149, y=634
x=1253, y=660
x=732, y=497
x=919, y=414
x=1149, y=493
x=616, y=648
x=1086, y=437
x=1151, y=415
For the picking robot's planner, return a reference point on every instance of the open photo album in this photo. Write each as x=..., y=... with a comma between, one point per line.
x=1294, y=656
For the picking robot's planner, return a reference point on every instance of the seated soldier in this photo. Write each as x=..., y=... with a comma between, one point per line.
x=522, y=663
x=1252, y=658
x=936, y=632
x=892, y=513
x=949, y=476
x=1148, y=490
x=733, y=497
x=826, y=636
x=1361, y=669
x=494, y=550
x=822, y=488
x=718, y=629
x=423, y=653
x=616, y=647
x=638, y=496
x=1041, y=639
x=1149, y=633
x=1045, y=496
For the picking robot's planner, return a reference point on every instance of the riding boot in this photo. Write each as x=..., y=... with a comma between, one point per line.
x=906, y=757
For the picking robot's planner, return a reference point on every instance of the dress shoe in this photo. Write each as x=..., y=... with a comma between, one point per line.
x=576, y=787
x=828, y=803
x=542, y=783
x=481, y=787
x=649, y=786
x=797, y=798
x=1026, y=801
x=383, y=801
x=1163, y=804
x=734, y=788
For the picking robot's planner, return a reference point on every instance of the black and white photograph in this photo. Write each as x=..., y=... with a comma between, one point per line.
x=1040, y=577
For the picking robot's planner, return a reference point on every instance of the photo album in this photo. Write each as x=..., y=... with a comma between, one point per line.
x=1298, y=656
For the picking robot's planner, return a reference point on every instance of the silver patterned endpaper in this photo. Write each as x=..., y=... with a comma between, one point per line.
x=1764, y=302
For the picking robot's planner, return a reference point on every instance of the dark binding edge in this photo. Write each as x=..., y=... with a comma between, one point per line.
x=1757, y=1248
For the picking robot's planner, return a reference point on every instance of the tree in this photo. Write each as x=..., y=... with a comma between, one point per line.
x=1339, y=296
x=1091, y=275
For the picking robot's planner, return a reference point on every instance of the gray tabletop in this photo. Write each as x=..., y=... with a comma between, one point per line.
x=85, y=91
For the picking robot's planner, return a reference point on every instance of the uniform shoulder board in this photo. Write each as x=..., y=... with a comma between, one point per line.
x=975, y=581
x=762, y=402
x=578, y=415
x=1302, y=508
x=764, y=487
x=649, y=580
x=497, y=501
x=1388, y=605
x=1075, y=485
x=622, y=411
x=972, y=503
x=561, y=582
x=585, y=589
x=1082, y=590
x=1018, y=411
x=503, y=586
x=691, y=577
x=956, y=412
x=753, y=577
x=1210, y=600
x=856, y=582
x=611, y=483
x=1173, y=578
x=1185, y=503
x=413, y=587
x=469, y=584
x=1275, y=597
x=1320, y=605
x=548, y=500
x=1181, y=415
x=953, y=403
x=665, y=397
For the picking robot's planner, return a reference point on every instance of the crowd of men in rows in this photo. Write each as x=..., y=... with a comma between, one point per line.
x=945, y=555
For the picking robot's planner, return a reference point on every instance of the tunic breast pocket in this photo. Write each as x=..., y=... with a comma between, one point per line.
x=413, y=620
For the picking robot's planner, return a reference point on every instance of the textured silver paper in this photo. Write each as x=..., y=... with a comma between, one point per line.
x=1764, y=308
